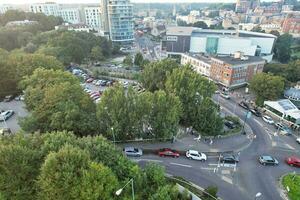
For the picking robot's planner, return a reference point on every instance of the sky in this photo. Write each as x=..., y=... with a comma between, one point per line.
x=98, y=1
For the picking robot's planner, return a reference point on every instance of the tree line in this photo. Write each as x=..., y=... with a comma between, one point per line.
x=59, y=165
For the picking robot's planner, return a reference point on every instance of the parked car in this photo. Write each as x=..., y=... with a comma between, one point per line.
x=8, y=98
x=5, y=131
x=195, y=155
x=225, y=95
x=168, y=152
x=89, y=80
x=6, y=115
x=298, y=140
x=293, y=161
x=268, y=160
x=103, y=83
x=268, y=119
x=94, y=81
x=19, y=98
x=229, y=158
x=131, y=151
x=255, y=112
x=230, y=124
x=245, y=105
x=283, y=129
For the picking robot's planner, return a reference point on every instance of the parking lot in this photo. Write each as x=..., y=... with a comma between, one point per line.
x=19, y=111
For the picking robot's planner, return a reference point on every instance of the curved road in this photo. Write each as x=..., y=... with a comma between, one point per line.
x=248, y=177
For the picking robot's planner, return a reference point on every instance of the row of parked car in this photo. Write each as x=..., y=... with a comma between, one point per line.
x=224, y=158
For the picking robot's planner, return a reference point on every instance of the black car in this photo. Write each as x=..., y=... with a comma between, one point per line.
x=229, y=158
x=255, y=112
x=230, y=124
x=243, y=104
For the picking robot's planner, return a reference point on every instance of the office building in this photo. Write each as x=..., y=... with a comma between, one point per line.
x=92, y=17
x=117, y=20
x=4, y=8
x=200, y=63
x=218, y=42
x=50, y=8
x=71, y=15
x=235, y=71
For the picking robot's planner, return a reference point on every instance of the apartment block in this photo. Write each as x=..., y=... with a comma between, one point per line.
x=92, y=17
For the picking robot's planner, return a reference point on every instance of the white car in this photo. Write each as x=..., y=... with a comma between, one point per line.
x=298, y=140
x=268, y=119
x=195, y=155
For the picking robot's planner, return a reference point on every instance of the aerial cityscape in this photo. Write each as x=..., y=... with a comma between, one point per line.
x=150, y=100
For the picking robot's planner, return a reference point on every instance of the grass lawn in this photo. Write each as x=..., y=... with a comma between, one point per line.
x=293, y=182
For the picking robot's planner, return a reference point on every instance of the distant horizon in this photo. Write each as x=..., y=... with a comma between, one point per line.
x=21, y=2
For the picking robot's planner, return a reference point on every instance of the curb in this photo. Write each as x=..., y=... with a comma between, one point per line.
x=282, y=190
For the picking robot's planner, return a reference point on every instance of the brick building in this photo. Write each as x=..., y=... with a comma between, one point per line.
x=291, y=25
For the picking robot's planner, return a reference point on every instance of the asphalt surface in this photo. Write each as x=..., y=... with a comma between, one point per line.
x=143, y=42
x=248, y=177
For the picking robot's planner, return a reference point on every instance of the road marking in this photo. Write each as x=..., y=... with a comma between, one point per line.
x=225, y=171
x=148, y=160
x=213, y=156
x=182, y=165
x=207, y=168
x=228, y=180
x=274, y=144
x=290, y=147
x=258, y=122
x=212, y=164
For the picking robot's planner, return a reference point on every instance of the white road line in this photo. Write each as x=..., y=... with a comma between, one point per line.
x=148, y=160
x=182, y=165
x=258, y=122
x=207, y=168
x=290, y=147
x=212, y=164
x=274, y=144
x=228, y=180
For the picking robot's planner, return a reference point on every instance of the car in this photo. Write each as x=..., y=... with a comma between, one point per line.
x=225, y=95
x=195, y=155
x=6, y=115
x=5, y=131
x=229, y=158
x=230, y=124
x=268, y=119
x=103, y=83
x=168, y=152
x=98, y=100
x=19, y=98
x=8, y=98
x=298, y=140
x=132, y=151
x=89, y=80
x=293, y=161
x=267, y=160
x=245, y=105
x=95, y=98
x=255, y=112
x=95, y=95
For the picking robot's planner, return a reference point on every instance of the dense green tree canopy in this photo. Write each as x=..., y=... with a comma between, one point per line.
x=155, y=74
x=290, y=71
x=138, y=59
x=266, y=87
x=283, y=48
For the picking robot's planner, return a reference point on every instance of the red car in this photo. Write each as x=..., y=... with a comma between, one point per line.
x=168, y=152
x=293, y=161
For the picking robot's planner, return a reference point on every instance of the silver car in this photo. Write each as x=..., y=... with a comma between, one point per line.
x=131, y=151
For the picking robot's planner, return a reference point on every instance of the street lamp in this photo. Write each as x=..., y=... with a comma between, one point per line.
x=119, y=191
x=258, y=195
x=247, y=116
x=112, y=130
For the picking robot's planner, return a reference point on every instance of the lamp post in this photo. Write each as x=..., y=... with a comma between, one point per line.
x=112, y=130
x=247, y=116
x=119, y=191
x=258, y=195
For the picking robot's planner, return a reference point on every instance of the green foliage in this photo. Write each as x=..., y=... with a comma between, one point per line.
x=59, y=165
x=96, y=54
x=14, y=66
x=128, y=60
x=266, y=87
x=139, y=59
x=212, y=191
x=282, y=48
x=293, y=182
x=274, y=32
x=200, y=24
x=128, y=115
x=57, y=104
x=290, y=71
x=258, y=29
x=155, y=74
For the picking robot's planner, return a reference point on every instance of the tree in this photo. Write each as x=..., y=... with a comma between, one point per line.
x=282, y=48
x=200, y=24
x=58, y=106
x=138, y=59
x=191, y=88
x=70, y=174
x=128, y=60
x=266, y=87
x=155, y=74
x=292, y=72
x=257, y=29
x=210, y=193
x=96, y=54
x=181, y=23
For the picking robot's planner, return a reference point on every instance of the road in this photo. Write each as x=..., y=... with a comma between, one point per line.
x=248, y=177
x=145, y=42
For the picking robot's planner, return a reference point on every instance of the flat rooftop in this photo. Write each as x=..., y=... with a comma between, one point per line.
x=179, y=30
x=206, y=59
x=237, y=61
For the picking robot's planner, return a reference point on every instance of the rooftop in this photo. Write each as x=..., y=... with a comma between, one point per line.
x=284, y=106
x=237, y=61
x=180, y=30
x=201, y=57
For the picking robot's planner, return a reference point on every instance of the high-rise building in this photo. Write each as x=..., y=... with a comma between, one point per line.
x=4, y=8
x=71, y=15
x=117, y=20
x=92, y=17
x=242, y=6
x=46, y=8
